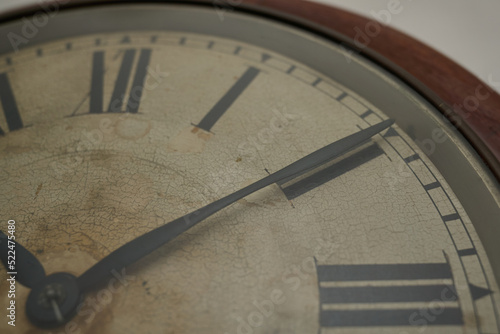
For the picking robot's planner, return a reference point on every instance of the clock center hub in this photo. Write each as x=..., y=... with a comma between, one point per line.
x=54, y=300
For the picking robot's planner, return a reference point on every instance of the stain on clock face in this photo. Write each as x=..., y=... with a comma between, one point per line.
x=108, y=136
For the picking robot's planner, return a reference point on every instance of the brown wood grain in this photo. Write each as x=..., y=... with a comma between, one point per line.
x=448, y=86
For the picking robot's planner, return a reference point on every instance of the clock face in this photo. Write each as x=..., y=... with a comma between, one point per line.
x=112, y=129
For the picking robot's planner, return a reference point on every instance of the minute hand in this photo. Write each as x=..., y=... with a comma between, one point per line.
x=148, y=242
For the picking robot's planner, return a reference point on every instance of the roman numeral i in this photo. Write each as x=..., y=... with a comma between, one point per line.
x=9, y=105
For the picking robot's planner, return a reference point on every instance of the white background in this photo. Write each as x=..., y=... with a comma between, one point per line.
x=467, y=31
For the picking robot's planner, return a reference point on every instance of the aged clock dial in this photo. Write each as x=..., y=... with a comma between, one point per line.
x=113, y=129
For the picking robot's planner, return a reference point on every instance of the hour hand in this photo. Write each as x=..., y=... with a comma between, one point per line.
x=17, y=259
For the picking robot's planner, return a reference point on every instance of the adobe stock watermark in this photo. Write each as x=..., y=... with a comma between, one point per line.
x=91, y=306
x=426, y=316
x=292, y=279
x=493, y=82
x=372, y=29
x=460, y=113
x=32, y=25
x=93, y=138
x=399, y=176
x=267, y=135
x=223, y=6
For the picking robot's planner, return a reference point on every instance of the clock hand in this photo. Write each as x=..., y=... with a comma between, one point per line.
x=72, y=288
x=29, y=271
x=145, y=244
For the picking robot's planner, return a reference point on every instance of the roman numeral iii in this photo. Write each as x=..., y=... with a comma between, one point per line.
x=116, y=104
x=387, y=295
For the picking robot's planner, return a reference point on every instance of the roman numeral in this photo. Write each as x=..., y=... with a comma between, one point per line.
x=228, y=99
x=9, y=105
x=387, y=295
x=122, y=82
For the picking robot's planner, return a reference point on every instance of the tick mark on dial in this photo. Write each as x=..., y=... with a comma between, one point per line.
x=316, y=82
x=451, y=217
x=341, y=97
x=391, y=133
x=412, y=158
x=125, y=40
x=366, y=114
x=433, y=185
x=467, y=252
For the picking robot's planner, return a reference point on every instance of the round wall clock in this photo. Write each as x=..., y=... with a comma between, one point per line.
x=241, y=166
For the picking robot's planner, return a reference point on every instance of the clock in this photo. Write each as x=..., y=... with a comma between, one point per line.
x=241, y=167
